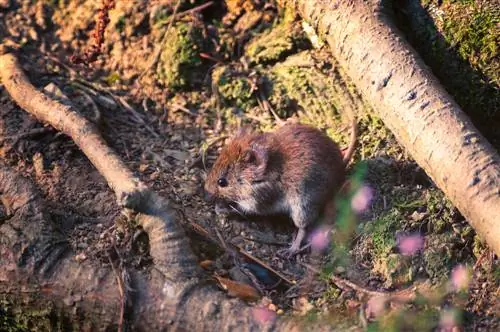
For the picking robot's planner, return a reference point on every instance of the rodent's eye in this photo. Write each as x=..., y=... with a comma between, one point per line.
x=222, y=182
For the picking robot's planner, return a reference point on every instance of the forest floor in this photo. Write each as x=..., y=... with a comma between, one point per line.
x=220, y=66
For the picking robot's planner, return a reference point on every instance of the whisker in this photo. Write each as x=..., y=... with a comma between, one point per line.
x=237, y=211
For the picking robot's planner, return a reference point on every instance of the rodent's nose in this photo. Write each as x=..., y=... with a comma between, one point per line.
x=209, y=197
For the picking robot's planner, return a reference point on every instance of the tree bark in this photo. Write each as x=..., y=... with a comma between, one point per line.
x=414, y=106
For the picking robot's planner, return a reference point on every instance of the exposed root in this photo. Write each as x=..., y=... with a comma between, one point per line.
x=404, y=295
x=154, y=213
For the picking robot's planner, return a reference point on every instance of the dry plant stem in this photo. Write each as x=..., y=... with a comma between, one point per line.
x=121, y=290
x=414, y=106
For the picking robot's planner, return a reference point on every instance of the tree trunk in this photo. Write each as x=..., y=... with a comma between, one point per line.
x=414, y=106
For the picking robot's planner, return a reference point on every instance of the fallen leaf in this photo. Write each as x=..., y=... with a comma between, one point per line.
x=237, y=289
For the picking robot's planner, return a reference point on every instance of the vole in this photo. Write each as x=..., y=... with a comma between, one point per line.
x=294, y=171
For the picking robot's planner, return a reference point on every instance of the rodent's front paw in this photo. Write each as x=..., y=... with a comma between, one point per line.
x=288, y=253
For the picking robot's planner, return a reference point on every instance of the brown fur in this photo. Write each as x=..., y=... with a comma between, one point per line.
x=294, y=170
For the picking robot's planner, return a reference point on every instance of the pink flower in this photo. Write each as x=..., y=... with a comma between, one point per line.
x=263, y=315
x=448, y=320
x=410, y=244
x=320, y=238
x=362, y=199
x=375, y=306
x=460, y=277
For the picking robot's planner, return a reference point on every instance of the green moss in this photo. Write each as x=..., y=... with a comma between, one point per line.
x=14, y=318
x=277, y=43
x=460, y=41
x=120, y=23
x=440, y=210
x=234, y=88
x=474, y=32
x=297, y=86
x=382, y=232
x=112, y=78
x=8, y=321
x=438, y=256
x=180, y=61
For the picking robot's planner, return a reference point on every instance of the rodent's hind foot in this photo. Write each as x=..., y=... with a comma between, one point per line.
x=295, y=247
x=288, y=253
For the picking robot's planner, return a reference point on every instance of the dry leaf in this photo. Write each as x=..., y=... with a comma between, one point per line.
x=237, y=289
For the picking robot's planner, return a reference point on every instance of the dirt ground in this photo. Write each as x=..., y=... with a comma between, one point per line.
x=168, y=120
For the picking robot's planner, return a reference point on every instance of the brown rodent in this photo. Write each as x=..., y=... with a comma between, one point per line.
x=294, y=171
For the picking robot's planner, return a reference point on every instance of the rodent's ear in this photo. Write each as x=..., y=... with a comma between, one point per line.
x=256, y=157
x=243, y=131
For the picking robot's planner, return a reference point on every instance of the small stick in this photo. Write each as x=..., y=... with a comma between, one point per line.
x=122, y=293
x=202, y=231
x=97, y=118
x=267, y=106
x=190, y=11
x=345, y=284
x=209, y=57
x=32, y=132
x=183, y=109
x=136, y=115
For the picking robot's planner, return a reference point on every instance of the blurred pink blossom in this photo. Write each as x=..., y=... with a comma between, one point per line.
x=320, y=238
x=362, y=199
x=410, y=244
x=448, y=320
x=263, y=315
x=375, y=306
x=460, y=277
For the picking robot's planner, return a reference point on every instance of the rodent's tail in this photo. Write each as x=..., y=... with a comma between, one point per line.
x=352, y=144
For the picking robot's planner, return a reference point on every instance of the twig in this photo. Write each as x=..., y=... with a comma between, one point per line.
x=202, y=231
x=122, y=293
x=209, y=57
x=480, y=260
x=97, y=118
x=346, y=284
x=267, y=107
x=404, y=295
x=32, y=132
x=136, y=115
x=190, y=11
x=265, y=241
x=183, y=109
